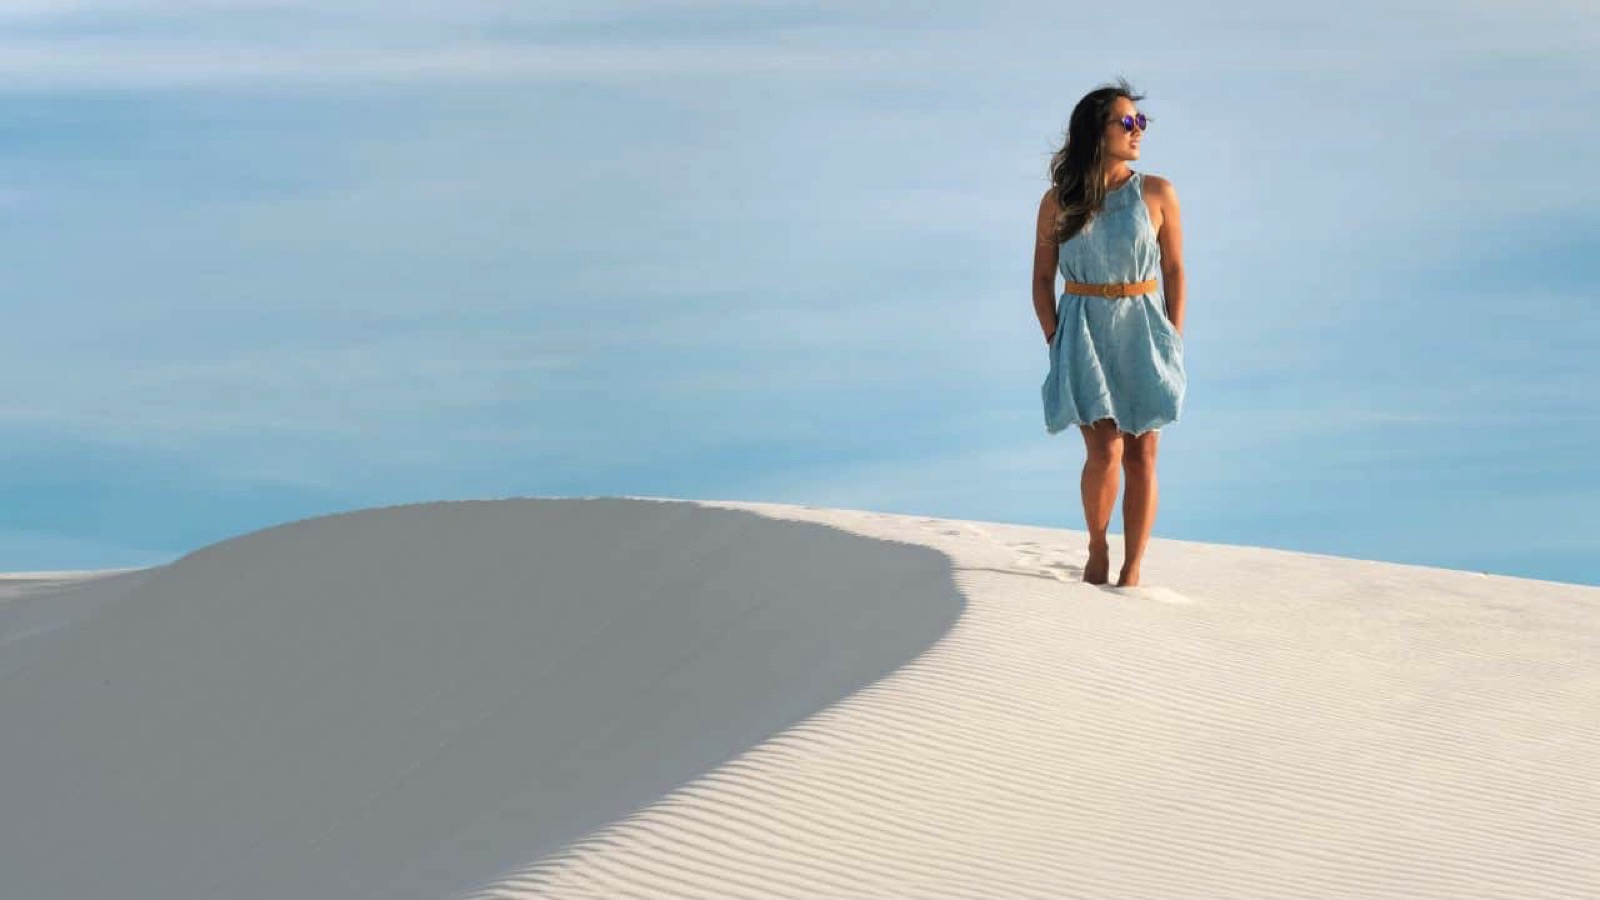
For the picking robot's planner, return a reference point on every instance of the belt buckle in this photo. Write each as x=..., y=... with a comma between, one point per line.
x=1108, y=290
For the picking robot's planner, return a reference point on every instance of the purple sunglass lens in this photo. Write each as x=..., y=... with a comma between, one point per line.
x=1129, y=121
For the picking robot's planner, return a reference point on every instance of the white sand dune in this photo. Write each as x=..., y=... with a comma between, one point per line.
x=631, y=697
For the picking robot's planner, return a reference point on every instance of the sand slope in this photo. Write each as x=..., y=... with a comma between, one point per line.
x=1252, y=723
x=614, y=697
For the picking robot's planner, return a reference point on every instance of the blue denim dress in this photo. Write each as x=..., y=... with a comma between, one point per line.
x=1114, y=357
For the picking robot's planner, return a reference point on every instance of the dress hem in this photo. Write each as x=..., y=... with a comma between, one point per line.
x=1114, y=421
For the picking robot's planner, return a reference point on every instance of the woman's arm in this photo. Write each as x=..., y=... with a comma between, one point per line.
x=1045, y=252
x=1170, y=238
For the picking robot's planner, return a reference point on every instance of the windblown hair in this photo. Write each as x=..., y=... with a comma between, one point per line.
x=1076, y=174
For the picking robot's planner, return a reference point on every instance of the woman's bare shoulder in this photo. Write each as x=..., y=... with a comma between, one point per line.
x=1158, y=185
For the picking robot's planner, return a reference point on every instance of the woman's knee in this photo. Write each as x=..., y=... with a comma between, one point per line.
x=1141, y=451
x=1103, y=443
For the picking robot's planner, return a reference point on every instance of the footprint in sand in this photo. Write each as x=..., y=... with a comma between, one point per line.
x=1058, y=564
x=945, y=528
x=1064, y=565
x=1030, y=558
x=1152, y=592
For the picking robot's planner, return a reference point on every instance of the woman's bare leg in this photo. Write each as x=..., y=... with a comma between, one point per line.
x=1099, y=486
x=1138, y=503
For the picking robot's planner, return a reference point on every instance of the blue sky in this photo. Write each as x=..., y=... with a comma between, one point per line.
x=271, y=260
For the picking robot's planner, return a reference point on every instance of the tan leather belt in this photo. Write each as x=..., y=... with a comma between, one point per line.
x=1112, y=290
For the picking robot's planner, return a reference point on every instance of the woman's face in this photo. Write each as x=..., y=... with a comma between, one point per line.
x=1118, y=142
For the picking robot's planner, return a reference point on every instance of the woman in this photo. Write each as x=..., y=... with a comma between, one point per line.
x=1116, y=345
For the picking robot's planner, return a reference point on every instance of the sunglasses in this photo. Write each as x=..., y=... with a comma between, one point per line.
x=1128, y=122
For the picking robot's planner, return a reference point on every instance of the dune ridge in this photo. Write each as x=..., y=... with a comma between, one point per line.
x=1251, y=723
x=657, y=697
x=403, y=702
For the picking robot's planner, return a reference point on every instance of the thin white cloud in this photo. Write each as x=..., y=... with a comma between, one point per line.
x=228, y=41
x=118, y=63
x=348, y=391
x=386, y=9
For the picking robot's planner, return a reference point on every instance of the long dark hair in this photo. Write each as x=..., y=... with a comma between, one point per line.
x=1075, y=170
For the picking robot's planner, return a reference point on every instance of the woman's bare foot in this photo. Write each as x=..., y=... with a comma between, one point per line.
x=1098, y=568
x=1129, y=577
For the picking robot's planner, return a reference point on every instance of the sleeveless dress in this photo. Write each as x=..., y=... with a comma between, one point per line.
x=1114, y=357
